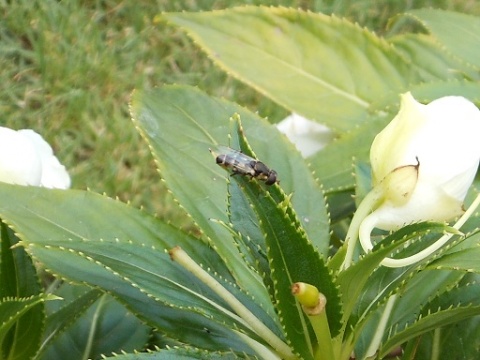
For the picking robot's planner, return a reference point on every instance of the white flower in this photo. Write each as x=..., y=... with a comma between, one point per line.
x=423, y=164
x=308, y=136
x=27, y=159
x=439, y=146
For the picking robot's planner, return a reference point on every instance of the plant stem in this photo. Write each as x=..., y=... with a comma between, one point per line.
x=368, y=203
x=436, y=344
x=261, y=350
x=382, y=324
x=181, y=257
x=322, y=331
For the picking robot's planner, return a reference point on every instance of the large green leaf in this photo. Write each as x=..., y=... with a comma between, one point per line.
x=322, y=67
x=181, y=124
x=124, y=253
x=459, y=33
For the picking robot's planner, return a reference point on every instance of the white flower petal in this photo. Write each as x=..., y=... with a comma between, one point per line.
x=54, y=174
x=19, y=161
x=27, y=159
x=308, y=136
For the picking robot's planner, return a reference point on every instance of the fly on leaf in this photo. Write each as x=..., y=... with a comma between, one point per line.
x=241, y=164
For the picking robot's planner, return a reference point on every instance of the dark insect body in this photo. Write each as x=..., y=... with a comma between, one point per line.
x=241, y=164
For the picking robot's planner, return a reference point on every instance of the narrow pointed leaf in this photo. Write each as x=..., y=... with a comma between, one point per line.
x=292, y=259
x=245, y=223
x=420, y=289
x=14, y=309
x=18, y=279
x=18, y=275
x=453, y=306
x=465, y=260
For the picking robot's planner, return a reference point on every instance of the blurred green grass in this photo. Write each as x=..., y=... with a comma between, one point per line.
x=68, y=69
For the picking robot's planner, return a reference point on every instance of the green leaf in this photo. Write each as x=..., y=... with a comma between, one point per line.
x=427, y=92
x=124, y=253
x=352, y=281
x=324, y=68
x=459, y=341
x=18, y=279
x=450, y=307
x=153, y=273
x=183, y=353
x=245, y=223
x=458, y=32
x=465, y=260
x=12, y=312
x=416, y=288
x=433, y=63
x=79, y=327
x=62, y=314
x=292, y=258
x=363, y=181
x=18, y=276
x=419, y=290
x=286, y=264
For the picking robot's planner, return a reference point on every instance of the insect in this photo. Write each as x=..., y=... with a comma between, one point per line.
x=241, y=164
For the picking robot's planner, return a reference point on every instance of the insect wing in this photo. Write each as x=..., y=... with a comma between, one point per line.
x=232, y=159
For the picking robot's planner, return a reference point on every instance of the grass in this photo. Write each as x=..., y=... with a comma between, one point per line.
x=68, y=68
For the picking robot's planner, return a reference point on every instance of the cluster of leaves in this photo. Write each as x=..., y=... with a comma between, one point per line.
x=255, y=240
